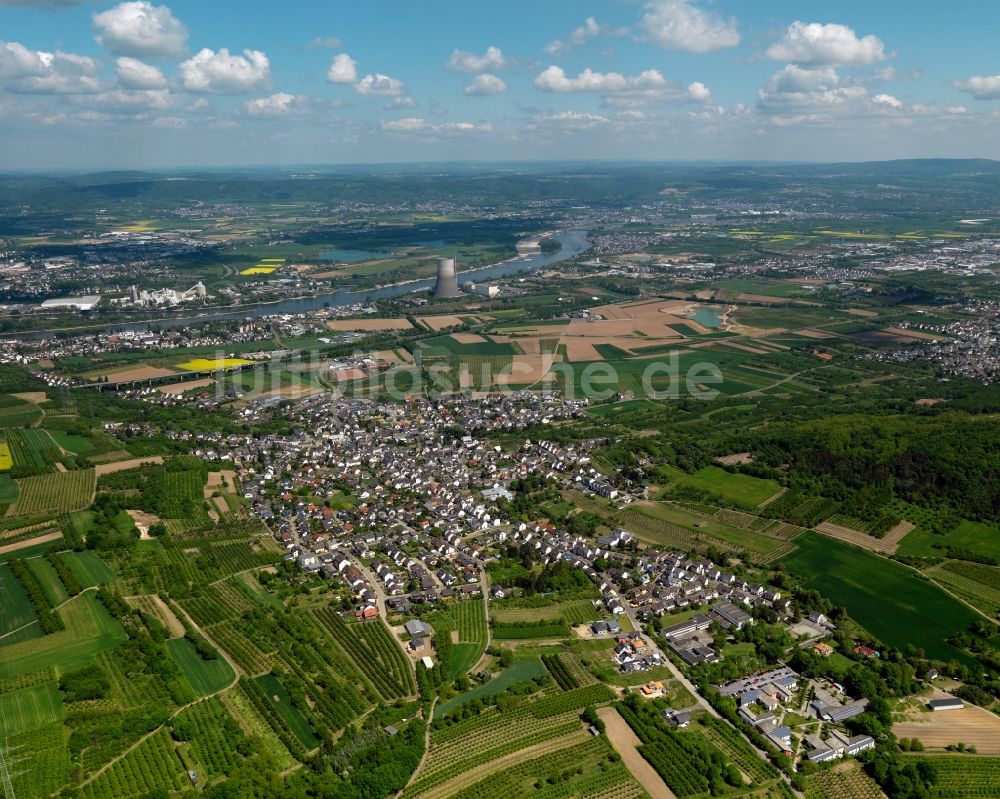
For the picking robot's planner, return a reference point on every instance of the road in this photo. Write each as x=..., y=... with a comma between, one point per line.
x=702, y=702
x=676, y=672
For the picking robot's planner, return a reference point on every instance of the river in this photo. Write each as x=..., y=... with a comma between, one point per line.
x=574, y=242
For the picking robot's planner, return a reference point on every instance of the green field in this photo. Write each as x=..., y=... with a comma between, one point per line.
x=89, y=631
x=892, y=602
x=983, y=539
x=54, y=589
x=16, y=609
x=8, y=489
x=741, y=488
x=290, y=714
x=205, y=676
x=683, y=528
x=29, y=708
x=88, y=567
x=519, y=671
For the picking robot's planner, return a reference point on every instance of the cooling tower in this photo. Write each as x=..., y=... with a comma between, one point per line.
x=447, y=279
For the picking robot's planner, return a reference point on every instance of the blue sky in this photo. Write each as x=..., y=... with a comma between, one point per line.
x=220, y=82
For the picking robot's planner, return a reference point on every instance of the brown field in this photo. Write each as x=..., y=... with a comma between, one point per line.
x=152, y=604
x=527, y=369
x=223, y=481
x=468, y=338
x=31, y=396
x=121, y=466
x=972, y=725
x=394, y=357
x=762, y=298
x=30, y=542
x=736, y=459
x=137, y=373
x=886, y=545
x=861, y=312
x=143, y=521
x=625, y=741
x=187, y=385
x=809, y=332
x=744, y=347
x=441, y=322
x=347, y=374
x=369, y=324
x=917, y=334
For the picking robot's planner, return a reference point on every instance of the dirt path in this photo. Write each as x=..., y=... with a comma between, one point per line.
x=625, y=742
x=182, y=708
x=30, y=542
x=427, y=747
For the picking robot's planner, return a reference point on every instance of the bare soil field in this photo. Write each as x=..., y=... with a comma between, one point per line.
x=468, y=338
x=861, y=312
x=808, y=332
x=859, y=538
x=441, y=322
x=972, y=725
x=744, y=347
x=187, y=385
x=907, y=333
x=761, y=298
x=393, y=357
x=121, y=466
x=625, y=742
x=138, y=373
x=154, y=605
x=143, y=521
x=30, y=542
x=31, y=396
x=369, y=324
x=223, y=480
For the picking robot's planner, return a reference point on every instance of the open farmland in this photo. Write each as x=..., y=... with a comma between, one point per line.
x=889, y=600
x=89, y=631
x=972, y=725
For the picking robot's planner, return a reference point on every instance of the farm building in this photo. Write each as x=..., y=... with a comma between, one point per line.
x=951, y=703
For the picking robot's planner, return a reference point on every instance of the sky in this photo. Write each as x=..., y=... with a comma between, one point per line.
x=143, y=84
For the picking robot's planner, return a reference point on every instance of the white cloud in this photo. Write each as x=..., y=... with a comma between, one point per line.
x=418, y=124
x=555, y=79
x=141, y=29
x=134, y=74
x=277, y=105
x=329, y=42
x=795, y=87
x=134, y=102
x=485, y=84
x=623, y=91
x=221, y=72
x=492, y=59
x=681, y=25
x=887, y=100
x=379, y=85
x=699, y=92
x=407, y=124
x=814, y=43
x=982, y=87
x=39, y=72
x=590, y=29
x=343, y=69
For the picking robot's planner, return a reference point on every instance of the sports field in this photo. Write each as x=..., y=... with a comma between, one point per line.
x=889, y=600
